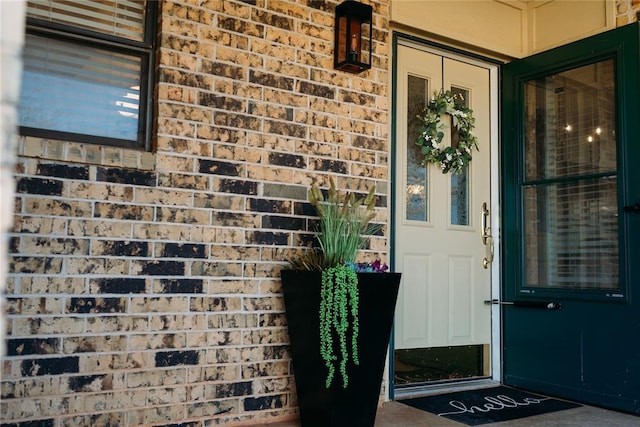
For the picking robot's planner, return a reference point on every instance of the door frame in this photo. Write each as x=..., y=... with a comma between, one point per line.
x=493, y=67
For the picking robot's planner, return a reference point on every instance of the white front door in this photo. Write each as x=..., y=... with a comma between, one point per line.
x=443, y=326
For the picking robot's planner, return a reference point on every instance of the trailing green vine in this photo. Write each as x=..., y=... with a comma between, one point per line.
x=338, y=310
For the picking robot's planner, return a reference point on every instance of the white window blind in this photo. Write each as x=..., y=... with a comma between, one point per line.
x=121, y=18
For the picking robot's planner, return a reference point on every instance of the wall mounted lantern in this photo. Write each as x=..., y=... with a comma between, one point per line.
x=352, y=52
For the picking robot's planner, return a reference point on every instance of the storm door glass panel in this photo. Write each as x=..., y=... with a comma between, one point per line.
x=417, y=188
x=570, y=188
x=459, y=181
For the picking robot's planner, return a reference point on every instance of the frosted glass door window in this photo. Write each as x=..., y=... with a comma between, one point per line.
x=459, y=181
x=417, y=182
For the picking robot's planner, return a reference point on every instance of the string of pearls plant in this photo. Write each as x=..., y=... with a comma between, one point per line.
x=448, y=158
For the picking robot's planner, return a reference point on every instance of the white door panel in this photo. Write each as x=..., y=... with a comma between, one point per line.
x=438, y=246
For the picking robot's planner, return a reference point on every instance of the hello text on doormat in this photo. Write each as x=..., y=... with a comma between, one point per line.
x=490, y=405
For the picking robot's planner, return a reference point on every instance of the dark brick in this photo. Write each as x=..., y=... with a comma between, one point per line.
x=19, y=347
x=45, y=366
x=283, y=222
x=63, y=171
x=121, y=211
x=187, y=424
x=307, y=240
x=222, y=102
x=120, y=286
x=181, y=286
x=291, y=160
x=83, y=383
x=328, y=165
x=233, y=389
x=240, y=121
x=48, y=187
x=323, y=5
x=321, y=91
x=278, y=21
x=184, y=250
x=14, y=245
x=275, y=352
x=174, y=358
x=242, y=27
x=363, y=141
x=285, y=128
x=263, y=403
x=222, y=70
x=164, y=268
x=267, y=205
x=358, y=98
x=184, y=79
x=97, y=305
x=42, y=265
x=121, y=248
x=99, y=419
x=231, y=219
x=217, y=167
x=238, y=187
x=271, y=80
x=267, y=238
x=39, y=423
x=304, y=208
x=127, y=176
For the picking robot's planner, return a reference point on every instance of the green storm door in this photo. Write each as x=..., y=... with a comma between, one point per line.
x=571, y=228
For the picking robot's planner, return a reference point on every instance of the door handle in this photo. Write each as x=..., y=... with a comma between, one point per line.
x=547, y=305
x=633, y=208
x=485, y=236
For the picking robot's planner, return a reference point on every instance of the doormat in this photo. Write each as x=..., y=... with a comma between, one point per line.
x=488, y=405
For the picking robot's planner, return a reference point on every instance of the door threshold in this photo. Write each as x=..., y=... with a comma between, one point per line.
x=441, y=388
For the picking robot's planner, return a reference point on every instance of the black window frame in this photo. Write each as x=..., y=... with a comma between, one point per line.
x=145, y=50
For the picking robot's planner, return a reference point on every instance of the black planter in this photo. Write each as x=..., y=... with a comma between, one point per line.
x=356, y=405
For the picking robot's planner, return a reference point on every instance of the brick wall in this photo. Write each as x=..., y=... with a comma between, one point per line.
x=143, y=287
x=627, y=11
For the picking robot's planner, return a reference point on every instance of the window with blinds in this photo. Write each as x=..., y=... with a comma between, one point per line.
x=88, y=71
x=570, y=180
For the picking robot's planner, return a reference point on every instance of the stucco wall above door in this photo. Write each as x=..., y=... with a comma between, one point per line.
x=511, y=28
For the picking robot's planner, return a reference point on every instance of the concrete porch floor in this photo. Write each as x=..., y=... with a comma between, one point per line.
x=395, y=414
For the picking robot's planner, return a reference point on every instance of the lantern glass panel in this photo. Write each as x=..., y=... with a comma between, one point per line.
x=341, y=48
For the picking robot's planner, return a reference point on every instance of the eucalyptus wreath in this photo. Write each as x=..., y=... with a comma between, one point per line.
x=449, y=158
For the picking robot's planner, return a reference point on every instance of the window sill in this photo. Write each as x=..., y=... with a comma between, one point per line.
x=74, y=152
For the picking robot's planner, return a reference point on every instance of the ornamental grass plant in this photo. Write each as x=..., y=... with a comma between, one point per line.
x=344, y=227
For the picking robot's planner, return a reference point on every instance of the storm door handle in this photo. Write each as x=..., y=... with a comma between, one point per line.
x=633, y=208
x=547, y=305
